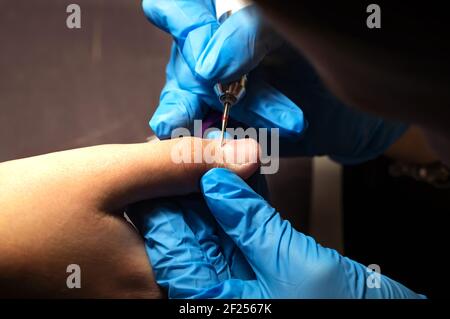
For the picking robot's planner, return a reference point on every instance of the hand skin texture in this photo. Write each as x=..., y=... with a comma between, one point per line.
x=67, y=208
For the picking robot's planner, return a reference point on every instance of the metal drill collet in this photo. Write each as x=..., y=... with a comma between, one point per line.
x=229, y=94
x=232, y=92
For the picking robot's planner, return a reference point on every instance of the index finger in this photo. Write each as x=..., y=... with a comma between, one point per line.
x=191, y=23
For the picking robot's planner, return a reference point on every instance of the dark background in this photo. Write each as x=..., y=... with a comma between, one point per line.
x=399, y=224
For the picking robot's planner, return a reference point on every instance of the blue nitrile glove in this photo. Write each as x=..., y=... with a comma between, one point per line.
x=185, y=243
x=183, y=222
x=286, y=263
x=204, y=53
x=345, y=134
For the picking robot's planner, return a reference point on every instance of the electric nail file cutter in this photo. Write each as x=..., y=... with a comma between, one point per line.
x=229, y=93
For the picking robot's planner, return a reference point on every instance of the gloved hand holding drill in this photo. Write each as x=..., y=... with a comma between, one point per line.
x=205, y=53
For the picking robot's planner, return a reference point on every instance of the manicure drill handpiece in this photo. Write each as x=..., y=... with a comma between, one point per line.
x=231, y=93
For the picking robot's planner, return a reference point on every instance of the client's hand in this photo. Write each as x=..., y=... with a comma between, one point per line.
x=67, y=208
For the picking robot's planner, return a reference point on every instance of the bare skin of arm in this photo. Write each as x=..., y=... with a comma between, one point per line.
x=67, y=208
x=413, y=147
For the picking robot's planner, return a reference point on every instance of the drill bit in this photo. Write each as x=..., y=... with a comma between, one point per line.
x=226, y=113
x=229, y=93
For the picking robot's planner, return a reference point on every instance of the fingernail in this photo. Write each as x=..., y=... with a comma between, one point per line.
x=239, y=152
x=217, y=134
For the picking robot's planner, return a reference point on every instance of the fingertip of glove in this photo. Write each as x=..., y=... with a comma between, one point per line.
x=146, y=6
x=206, y=67
x=298, y=125
x=162, y=130
x=220, y=60
x=293, y=123
x=167, y=118
x=211, y=182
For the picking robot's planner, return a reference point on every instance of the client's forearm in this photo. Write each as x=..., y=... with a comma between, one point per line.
x=111, y=256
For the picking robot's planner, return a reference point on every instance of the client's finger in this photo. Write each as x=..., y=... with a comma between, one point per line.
x=110, y=177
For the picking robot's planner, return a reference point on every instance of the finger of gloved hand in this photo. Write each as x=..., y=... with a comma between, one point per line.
x=178, y=260
x=237, y=47
x=185, y=99
x=205, y=229
x=237, y=264
x=177, y=109
x=181, y=99
x=287, y=263
x=257, y=229
x=233, y=289
x=266, y=107
x=191, y=23
x=179, y=17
